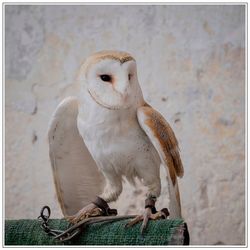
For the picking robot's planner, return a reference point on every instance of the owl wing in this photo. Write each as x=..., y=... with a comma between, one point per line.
x=76, y=176
x=163, y=138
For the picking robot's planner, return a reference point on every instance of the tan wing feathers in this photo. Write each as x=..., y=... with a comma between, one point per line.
x=164, y=139
x=76, y=176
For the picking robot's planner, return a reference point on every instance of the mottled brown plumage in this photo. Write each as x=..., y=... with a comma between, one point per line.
x=120, y=56
x=166, y=137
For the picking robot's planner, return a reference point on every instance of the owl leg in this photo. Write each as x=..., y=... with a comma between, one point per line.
x=100, y=206
x=87, y=211
x=113, y=187
x=154, y=189
x=150, y=213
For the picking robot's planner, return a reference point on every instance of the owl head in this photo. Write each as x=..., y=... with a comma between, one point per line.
x=110, y=78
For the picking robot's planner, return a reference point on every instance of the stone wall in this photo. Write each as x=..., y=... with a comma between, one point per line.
x=191, y=67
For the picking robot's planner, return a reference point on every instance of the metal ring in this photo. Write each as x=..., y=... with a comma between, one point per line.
x=42, y=215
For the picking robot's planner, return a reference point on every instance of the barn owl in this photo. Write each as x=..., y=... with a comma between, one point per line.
x=106, y=134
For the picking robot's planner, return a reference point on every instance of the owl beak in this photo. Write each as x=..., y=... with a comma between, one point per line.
x=122, y=88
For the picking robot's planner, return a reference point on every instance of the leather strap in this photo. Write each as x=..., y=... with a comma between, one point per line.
x=150, y=202
x=103, y=205
x=166, y=212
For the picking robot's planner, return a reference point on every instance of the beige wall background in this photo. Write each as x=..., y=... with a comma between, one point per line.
x=191, y=66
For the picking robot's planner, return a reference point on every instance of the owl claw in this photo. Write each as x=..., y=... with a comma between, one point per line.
x=90, y=210
x=148, y=215
x=98, y=207
x=134, y=221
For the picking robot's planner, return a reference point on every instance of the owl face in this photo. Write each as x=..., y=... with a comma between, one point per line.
x=112, y=81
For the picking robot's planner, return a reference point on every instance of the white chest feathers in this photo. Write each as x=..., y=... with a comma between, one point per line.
x=118, y=144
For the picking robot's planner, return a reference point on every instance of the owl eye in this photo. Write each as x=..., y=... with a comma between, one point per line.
x=129, y=76
x=106, y=78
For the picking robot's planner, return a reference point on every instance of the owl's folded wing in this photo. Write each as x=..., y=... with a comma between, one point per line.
x=76, y=176
x=163, y=138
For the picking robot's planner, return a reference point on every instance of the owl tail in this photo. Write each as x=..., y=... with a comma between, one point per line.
x=175, y=204
x=174, y=196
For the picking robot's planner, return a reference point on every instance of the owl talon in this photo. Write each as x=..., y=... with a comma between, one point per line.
x=98, y=207
x=134, y=221
x=90, y=210
x=148, y=215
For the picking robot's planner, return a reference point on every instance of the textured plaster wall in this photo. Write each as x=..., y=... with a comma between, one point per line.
x=191, y=68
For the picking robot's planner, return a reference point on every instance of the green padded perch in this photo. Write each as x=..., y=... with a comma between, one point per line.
x=160, y=232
